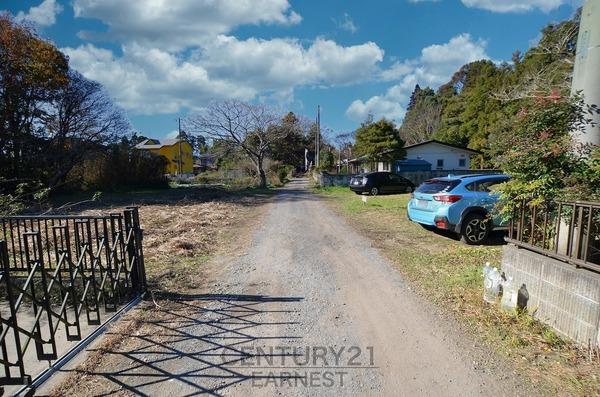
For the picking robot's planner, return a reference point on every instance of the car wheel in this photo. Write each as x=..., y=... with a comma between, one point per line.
x=409, y=189
x=475, y=229
x=374, y=191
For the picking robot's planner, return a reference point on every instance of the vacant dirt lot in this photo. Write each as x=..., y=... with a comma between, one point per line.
x=308, y=307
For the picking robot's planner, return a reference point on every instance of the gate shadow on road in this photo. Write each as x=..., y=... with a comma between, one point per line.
x=197, y=344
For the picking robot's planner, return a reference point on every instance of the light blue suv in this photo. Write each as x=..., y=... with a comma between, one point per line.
x=462, y=203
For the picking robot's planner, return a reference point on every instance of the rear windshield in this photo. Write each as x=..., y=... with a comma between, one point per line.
x=433, y=186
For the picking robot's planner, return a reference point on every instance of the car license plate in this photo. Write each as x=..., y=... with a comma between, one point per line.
x=422, y=203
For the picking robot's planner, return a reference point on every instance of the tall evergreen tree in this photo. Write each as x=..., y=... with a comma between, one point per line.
x=379, y=141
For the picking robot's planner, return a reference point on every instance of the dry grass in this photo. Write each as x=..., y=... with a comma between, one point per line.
x=180, y=236
x=450, y=274
x=180, y=239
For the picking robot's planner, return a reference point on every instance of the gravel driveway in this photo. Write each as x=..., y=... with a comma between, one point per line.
x=310, y=309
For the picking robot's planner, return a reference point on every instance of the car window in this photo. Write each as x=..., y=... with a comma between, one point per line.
x=378, y=177
x=433, y=186
x=486, y=186
x=396, y=178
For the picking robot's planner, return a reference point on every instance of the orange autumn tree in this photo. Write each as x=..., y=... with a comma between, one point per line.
x=32, y=72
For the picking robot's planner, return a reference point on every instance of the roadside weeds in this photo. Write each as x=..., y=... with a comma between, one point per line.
x=450, y=274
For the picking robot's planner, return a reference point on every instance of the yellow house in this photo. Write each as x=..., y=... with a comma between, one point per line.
x=170, y=149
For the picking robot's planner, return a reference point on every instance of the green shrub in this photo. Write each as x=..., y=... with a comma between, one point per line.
x=538, y=150
x=283, y=172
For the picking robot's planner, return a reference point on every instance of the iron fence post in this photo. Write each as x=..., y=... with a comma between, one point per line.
x=11, y=322
x=138, y=236
x=54, y=265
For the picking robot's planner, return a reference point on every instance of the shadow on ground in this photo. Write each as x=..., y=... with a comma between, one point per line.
x=197, y=344
x=495, y=237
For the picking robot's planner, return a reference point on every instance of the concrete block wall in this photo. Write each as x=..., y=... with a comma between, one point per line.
x=560, y=295
x=325, y=179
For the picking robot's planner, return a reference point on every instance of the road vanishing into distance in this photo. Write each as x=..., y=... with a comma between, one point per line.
x=310, y=309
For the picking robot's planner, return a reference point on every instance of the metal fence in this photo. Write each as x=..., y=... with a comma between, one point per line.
x=59, y=274
x=568, y=231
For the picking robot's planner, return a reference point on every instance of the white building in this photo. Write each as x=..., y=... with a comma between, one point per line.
x=440, y=155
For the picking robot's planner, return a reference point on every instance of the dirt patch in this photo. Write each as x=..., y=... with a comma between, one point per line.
x=80, y=382
x=182, y=242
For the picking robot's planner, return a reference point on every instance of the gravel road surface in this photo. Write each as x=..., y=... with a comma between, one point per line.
x=309, y=309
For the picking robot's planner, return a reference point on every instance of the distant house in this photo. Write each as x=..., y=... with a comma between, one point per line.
x=171, y=149
x=206, y=161
x=424, y=156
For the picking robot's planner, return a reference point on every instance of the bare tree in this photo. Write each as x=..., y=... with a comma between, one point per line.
x=422, y=125
x=240, y=125
x=562, y=46
x=83, y=119
x=343, y=142
x=548, y=80
x=556, y=55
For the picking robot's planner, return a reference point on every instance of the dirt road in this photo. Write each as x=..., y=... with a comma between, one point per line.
x=310, y=309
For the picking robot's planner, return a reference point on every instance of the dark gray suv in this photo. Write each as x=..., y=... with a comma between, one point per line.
x=375, y=183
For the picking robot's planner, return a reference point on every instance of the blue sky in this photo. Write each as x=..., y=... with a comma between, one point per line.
x=162, y=59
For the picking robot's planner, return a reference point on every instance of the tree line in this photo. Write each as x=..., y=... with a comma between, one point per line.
x=474, y=107
x=58, y=130
x=520, y=115
x=469, y=110
x=61, y=131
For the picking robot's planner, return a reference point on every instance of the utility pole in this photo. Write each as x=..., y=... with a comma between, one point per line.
x=318, y=138
x=179, y=163
x=305, y=159
x=586, y=78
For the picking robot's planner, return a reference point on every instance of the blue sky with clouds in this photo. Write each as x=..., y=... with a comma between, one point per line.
x=161, y=59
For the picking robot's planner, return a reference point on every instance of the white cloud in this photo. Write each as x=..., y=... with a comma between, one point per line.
x=42, y=15
x=149, y=80
x=504, y=6
x=181, y=54
x=514, y=5
x=378, y=106
x=346, y=23
x=178, y=24
x=172, y=135
x=434, y=67
x=281, y=63
x=397, y=70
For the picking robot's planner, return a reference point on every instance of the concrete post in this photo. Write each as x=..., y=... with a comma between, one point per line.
x=586, y=73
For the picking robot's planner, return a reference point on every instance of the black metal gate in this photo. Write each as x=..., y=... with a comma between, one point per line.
x=56, y=271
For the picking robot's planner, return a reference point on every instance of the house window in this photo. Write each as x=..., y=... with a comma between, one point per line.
x=386, y=166
x=440, y=163
x=462, y=162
